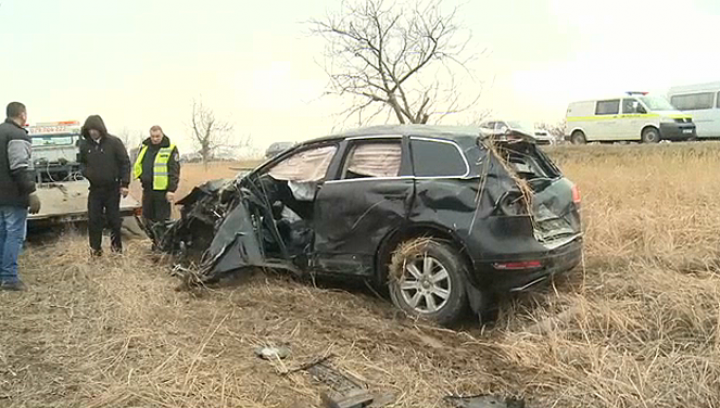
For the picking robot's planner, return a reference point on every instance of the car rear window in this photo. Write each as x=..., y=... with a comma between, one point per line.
x=435, y=158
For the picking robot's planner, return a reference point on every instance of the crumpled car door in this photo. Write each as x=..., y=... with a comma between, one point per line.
x=357, y=211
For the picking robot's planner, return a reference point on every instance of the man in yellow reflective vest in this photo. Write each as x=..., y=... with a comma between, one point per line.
x=158, y=168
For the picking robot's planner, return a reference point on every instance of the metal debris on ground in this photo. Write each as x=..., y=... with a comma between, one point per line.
x=354, y=399
x=272, y=353
x=485, y=401
x=345, y=391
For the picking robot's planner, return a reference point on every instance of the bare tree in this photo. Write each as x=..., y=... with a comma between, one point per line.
x=395, y=58
x=209, y=134
x=479, y=116
x=130, y=138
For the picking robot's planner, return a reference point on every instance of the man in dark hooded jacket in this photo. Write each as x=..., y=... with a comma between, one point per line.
x=106, y=165
x=158, y=169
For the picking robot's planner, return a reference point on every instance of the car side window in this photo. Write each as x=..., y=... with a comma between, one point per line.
x=436, y=158
x=611, y=107
x=499, y=126
x=373, y=160
x=310, y=165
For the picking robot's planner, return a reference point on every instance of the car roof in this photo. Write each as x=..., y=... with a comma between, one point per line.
x=430, y=131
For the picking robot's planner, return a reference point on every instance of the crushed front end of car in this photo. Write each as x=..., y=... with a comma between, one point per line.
x=225, y=225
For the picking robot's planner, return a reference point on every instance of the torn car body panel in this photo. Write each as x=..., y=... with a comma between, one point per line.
x=370, y=200
x=329, y=206
x=357, y=215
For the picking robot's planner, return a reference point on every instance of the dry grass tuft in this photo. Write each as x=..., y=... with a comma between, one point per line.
x=638, y=326
x=407, y=249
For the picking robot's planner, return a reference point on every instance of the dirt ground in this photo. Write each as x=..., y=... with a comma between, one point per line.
x=638, y=326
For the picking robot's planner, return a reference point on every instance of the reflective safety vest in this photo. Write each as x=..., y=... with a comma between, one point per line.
x=160, y=168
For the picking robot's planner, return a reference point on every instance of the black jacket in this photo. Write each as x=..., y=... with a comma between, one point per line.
x=149, y=160
x=105, y=163
x=17, y=175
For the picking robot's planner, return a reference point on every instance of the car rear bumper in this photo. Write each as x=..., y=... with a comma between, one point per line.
x=560, y=260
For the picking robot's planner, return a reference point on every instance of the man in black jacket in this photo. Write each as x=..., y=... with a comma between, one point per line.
x=158, y=168
x=17, y=193
x=106, y=165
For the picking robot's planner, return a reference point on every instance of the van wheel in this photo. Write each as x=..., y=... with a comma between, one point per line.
x=427, y=279
x=650, y=135
x=578, y=138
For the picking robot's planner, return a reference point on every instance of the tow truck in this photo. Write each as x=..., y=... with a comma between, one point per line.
x=62, y=189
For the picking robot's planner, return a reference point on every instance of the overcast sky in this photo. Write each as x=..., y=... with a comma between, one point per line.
x=141, y=62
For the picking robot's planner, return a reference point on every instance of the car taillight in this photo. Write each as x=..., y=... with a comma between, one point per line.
x=576, y=195
x=512, y=266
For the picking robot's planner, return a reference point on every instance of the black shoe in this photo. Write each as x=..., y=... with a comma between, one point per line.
x=96, y=253
x=16, y=286
x=117, y=250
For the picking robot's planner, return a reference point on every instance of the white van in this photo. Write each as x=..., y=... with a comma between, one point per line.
x=635, y=116
x=703, y=101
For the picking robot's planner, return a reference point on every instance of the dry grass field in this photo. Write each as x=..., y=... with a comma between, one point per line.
x=638, y=326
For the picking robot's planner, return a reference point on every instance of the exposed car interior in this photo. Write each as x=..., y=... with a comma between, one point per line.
x=291, y=185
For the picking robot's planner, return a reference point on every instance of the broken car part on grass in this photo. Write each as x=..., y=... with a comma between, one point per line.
x=445, y=217
x=486, y=401
x=345, y=391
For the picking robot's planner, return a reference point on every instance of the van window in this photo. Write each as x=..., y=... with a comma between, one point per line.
x=437, y=159
x=608, y=107
x=697, y=101
x=718, y=100
x=630, y=106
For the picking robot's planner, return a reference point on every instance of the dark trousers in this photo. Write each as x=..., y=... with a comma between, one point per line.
x=155, y=206
x=104, y=210
x=156, y=210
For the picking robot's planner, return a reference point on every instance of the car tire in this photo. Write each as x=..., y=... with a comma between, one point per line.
x=651, y=135
x=427, y=280
x=578, y=138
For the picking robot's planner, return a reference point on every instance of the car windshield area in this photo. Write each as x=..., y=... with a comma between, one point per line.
x=657, y=103
x=53, y=140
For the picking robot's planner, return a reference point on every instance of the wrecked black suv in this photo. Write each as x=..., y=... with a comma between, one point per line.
x=443, y=217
